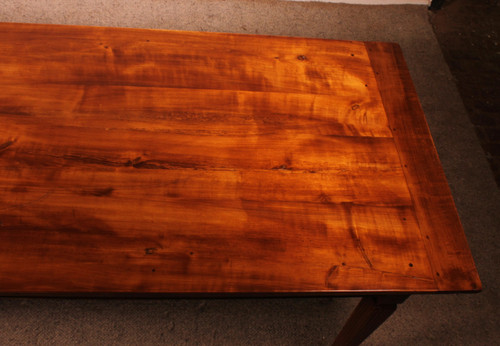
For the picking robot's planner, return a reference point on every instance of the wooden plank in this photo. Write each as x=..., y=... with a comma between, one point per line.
x=450, y=257
x=158, y=109
x=106, y=56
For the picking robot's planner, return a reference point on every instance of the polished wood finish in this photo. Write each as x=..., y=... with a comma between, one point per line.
x=444, y=239
x=370, y=313
x=150, y=161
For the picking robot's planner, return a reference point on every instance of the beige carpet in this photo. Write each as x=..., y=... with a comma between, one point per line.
x=422, y=320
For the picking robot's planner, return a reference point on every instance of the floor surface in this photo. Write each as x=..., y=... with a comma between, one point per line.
x=466, y=319
x=469, y=35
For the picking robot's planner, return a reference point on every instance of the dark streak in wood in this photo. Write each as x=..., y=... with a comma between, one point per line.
x=351, y=227
x=100, y=192
x=6, y=144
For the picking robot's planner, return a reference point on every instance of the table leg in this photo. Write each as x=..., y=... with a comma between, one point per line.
x=370, y=313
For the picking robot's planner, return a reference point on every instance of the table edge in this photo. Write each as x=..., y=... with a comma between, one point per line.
x=180, y=32
x=443, y=235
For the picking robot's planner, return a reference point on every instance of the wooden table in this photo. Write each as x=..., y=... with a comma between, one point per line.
x=163, y=162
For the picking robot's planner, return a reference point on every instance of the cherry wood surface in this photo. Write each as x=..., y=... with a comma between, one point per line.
x=152, y=161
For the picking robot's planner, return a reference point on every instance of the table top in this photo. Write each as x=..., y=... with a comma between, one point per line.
x=153, y=161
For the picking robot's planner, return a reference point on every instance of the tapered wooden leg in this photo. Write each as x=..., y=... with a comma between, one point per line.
x=370, y=313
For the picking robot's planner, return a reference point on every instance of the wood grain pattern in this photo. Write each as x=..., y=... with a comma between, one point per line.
x=149, y=161
x=449, y=254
